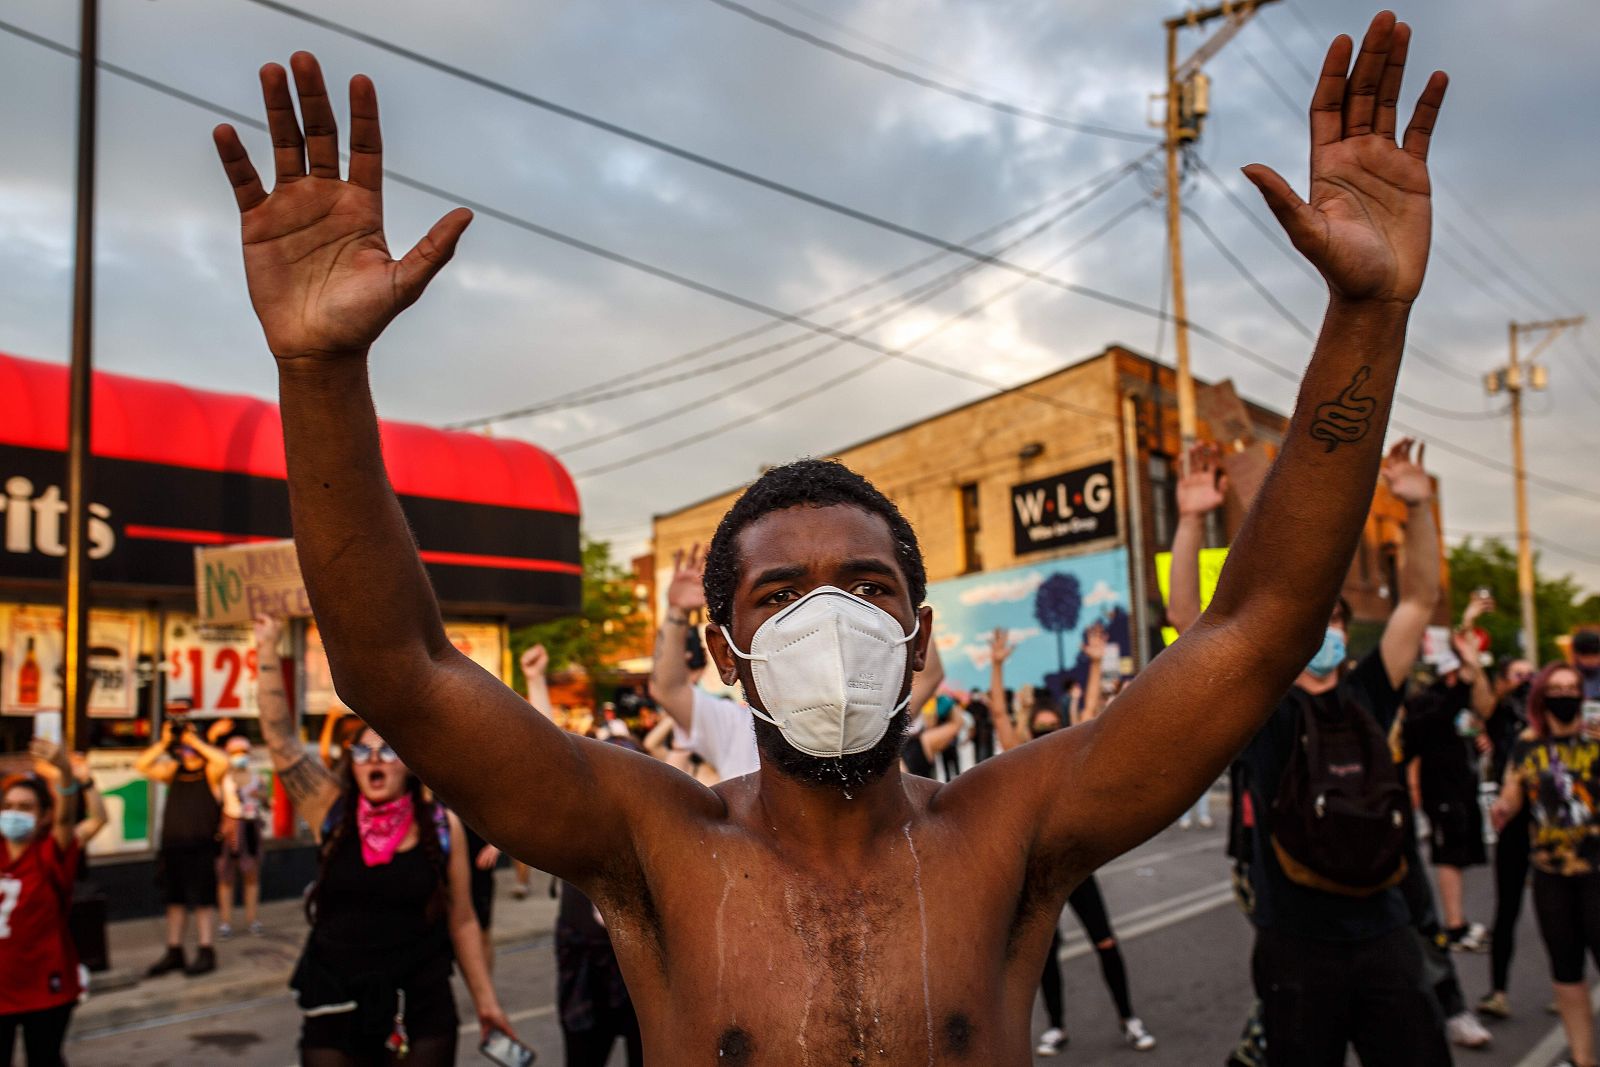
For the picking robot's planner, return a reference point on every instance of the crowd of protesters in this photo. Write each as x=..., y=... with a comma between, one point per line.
x=404, y=891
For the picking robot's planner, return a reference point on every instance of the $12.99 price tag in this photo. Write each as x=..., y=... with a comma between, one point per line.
x=213, y=668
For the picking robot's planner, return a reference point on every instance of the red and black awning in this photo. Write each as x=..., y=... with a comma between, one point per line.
x=175, y=467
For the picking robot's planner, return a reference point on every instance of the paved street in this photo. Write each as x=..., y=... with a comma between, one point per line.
x=1187, y=950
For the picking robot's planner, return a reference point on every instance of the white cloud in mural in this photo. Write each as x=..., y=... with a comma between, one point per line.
x=947, y=641
x=1102, y=593
x=978, y=652
x=1018, y=588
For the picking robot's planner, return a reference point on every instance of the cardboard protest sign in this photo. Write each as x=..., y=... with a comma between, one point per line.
x=235, y=583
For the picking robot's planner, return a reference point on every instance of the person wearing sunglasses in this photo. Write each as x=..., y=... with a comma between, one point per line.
x=391, y=902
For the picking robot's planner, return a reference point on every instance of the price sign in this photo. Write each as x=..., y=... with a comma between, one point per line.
x=212, y=667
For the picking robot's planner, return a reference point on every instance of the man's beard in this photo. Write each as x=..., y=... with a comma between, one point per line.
x=832, y=772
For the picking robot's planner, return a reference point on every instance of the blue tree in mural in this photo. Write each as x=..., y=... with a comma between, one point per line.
x=1056, y=605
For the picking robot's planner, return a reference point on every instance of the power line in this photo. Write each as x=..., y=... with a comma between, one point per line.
x=1299, y=324
x=788, y=190
x=700, y=403
x=1506, y=246
x=1495, y=268
x=1304, y=20
x=1282, y=46
x=929, y=83
x=789, y=401
x=866, y=38
x=725, y=168
x=1266, y=76
x=642, y=266
x=614, y=387
x=1435, y=441
x=1461, y=202
x=647, y=268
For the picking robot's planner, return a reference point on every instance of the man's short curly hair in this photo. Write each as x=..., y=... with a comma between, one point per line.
x=816, y=483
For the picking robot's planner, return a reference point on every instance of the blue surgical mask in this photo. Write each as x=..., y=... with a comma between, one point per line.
x=17, y=826
x=1329, y=656
x=240, y=761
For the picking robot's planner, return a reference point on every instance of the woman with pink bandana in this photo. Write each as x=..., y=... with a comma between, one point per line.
x=390, y=903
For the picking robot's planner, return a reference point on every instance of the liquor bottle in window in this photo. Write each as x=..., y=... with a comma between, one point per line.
x=28, y=677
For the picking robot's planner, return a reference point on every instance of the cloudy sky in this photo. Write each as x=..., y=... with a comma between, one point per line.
x=519, y=319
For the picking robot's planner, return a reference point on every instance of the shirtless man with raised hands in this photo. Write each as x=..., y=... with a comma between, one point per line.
x=829, y=908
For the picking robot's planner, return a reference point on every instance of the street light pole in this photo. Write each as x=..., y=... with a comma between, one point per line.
x=75, y=619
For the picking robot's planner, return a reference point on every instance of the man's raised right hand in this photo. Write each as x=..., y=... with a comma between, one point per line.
x=321, y=278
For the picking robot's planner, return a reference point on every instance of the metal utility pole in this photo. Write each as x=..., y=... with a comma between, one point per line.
x=1187, y=105
x=1515, y=377
x=75, y=702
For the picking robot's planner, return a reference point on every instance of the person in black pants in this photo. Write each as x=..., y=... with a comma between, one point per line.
x=1331, y=971
x=1556, y=776
x=596, y=1010
x=391, y=908
x=192, y=771
x=1086, y=902
x=1505, y=727
x=982, y=730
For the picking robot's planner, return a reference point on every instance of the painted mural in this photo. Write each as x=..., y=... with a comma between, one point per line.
x=1045, y=606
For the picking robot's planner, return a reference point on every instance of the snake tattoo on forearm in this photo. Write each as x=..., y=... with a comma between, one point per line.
x=1346, y=419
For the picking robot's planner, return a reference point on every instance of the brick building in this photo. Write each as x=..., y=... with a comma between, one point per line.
x=1043, y=509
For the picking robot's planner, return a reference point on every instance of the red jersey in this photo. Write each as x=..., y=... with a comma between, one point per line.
x=40, y=968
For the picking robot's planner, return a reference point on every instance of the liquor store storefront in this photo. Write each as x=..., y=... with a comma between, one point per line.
x=176, y=469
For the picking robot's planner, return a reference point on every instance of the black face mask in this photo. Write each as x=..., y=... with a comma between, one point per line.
x=1520, y=690
x=1040, y=731
x=1563, y=709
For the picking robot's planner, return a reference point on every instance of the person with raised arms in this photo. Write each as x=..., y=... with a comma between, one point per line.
x=827, y=908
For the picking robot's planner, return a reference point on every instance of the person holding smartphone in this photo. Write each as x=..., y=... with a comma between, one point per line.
x=392, y=901
x=191, y=819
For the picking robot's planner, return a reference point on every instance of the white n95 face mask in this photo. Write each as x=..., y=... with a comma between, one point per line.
x=829, y=668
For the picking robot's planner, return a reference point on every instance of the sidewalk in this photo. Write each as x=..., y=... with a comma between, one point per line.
x=250, y=968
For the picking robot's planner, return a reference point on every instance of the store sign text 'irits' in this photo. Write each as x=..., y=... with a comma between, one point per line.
x=37, y=523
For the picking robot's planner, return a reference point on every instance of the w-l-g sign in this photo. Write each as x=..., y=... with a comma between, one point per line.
x=1066, y=509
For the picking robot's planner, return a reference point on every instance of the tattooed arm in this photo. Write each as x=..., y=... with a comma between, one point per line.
x=1366, y=228
x=312, y=788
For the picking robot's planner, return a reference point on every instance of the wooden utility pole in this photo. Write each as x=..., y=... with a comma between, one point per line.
x=1514, y=378
x=75, y=618
x=1187, y=106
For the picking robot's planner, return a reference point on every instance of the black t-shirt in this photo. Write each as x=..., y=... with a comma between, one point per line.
x=1505, y=726
x=1277, y=902
x=1449, y=770
x=915, y=757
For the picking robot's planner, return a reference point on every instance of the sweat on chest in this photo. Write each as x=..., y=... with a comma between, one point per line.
x=774, y=966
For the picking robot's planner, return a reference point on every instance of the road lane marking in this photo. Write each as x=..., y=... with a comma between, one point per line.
x=1545, y=1051
x=1136, y=923
x=1169, y=917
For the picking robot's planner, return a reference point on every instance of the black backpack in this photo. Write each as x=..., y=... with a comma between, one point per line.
x=1339, y=819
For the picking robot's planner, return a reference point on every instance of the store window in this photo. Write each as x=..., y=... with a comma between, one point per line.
x=971, y=527
x=1163, y=500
